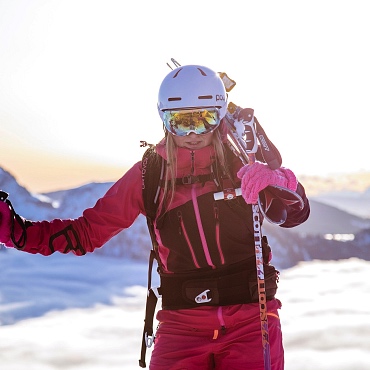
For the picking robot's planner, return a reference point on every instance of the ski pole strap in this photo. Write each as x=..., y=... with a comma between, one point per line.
x=148, y=336
x=151, y=303
x=21, y=242
x=3, y=196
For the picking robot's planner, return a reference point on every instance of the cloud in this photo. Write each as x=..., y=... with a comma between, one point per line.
x=86, y=313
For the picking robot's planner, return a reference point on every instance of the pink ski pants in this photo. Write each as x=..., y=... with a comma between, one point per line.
x=222, y=338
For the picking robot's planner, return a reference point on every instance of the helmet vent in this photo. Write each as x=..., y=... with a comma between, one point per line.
x=202, y=72
x=175, y=75
x=205, y=97
x=174, y=99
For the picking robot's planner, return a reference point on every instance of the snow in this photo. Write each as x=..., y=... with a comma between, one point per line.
x=86, y=313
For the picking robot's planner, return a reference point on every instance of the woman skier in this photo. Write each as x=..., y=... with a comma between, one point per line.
x=210, y=316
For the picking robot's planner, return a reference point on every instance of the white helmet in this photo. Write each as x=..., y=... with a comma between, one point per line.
x=192, y=86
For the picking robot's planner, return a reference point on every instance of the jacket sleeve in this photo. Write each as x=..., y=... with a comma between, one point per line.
x=115, y=211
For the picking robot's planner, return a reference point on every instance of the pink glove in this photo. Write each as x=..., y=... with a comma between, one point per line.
x=5, y=222
x=258, y=176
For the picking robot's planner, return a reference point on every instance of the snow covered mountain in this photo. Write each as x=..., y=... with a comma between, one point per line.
x=320, y=237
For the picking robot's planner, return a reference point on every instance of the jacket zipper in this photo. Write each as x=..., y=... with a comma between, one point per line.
x=183, y=232
x=198, y=218
x=217, y=232
x=221, y=320
x=200, y=228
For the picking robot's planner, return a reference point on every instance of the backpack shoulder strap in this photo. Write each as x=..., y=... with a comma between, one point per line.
x=153, y=169
x=153, y=172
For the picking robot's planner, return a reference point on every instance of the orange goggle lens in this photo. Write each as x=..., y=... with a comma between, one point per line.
x=183, y=122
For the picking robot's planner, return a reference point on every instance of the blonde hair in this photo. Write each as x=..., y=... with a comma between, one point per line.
x=170, y=183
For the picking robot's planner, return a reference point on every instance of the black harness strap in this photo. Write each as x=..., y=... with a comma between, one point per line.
x=151, y=303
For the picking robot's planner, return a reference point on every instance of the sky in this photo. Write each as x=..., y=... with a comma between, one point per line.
x=60, y=315
x=79, y=80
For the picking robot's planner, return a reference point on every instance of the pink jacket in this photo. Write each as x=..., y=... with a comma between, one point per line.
x=210, y=237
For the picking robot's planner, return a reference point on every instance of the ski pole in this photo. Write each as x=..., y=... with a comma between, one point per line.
x=243, y=139
x=249, y=134
x=260, y=279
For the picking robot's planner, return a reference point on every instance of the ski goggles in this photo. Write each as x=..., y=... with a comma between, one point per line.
x=183, y=122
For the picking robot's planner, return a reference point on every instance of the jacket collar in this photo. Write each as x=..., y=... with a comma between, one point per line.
x=200, y=160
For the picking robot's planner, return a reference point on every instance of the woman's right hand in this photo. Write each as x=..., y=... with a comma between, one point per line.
x=5, y=222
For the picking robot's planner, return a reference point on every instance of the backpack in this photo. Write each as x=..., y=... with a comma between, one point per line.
x=153, y=172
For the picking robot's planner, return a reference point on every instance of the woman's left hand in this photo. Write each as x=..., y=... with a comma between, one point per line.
x=258, y=176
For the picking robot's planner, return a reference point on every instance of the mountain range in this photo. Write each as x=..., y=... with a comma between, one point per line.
x=331, y=232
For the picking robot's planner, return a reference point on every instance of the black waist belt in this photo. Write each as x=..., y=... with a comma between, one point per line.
x=231, y=285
